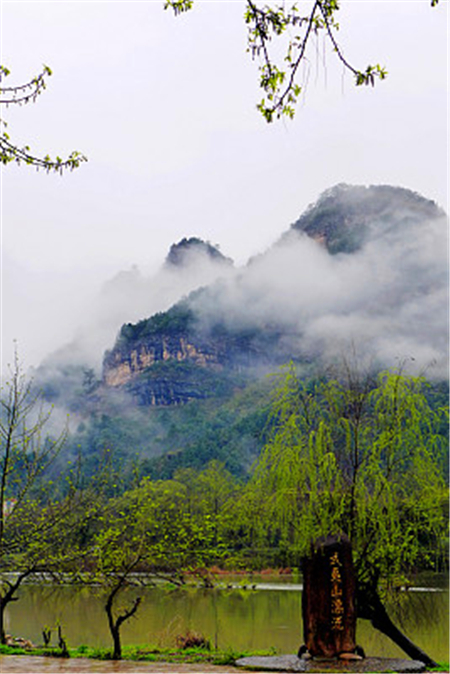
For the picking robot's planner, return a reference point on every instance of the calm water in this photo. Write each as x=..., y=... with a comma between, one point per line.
x=242, y=619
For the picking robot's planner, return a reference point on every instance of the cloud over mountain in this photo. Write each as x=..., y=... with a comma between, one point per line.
x=374, y=274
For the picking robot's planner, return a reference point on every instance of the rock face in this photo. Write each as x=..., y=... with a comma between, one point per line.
x=169, y=359
x=142, y=349
x=122, y=365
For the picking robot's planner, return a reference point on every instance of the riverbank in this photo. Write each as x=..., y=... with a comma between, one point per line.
x=134, y=659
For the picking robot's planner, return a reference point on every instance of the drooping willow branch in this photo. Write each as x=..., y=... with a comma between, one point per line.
x=10, y=152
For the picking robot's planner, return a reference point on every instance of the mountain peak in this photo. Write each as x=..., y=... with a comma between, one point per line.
x=345, y=216
x=188, y=251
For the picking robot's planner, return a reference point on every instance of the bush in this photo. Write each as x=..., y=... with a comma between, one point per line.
x=192, y=640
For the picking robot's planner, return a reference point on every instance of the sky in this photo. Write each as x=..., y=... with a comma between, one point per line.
x=165, y=110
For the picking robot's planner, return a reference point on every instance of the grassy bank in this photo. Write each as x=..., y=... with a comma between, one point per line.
x=142, y=653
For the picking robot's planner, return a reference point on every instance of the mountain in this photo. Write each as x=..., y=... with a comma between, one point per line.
x=363, y=265
x=362, y=271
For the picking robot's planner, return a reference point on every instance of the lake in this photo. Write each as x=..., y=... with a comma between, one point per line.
x=244, y=619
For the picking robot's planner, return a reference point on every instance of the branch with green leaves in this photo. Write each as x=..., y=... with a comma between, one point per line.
x=274, y=26
x=23, y=94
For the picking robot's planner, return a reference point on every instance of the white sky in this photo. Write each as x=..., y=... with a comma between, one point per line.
x=164, y=108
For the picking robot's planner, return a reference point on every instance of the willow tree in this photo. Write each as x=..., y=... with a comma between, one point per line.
x=360, y=457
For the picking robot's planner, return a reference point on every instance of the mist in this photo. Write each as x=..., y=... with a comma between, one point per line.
x=389, y=299
x=128, y=297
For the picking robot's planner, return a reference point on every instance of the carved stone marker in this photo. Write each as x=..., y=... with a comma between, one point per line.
x=328, y=602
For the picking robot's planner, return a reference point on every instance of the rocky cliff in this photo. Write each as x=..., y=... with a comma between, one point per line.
x=170, y=358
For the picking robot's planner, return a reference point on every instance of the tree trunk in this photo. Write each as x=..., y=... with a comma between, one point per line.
x=4, y=601
x=114, y=628
x=115, y=624
x=370, y=607
x=117, y=653
x=2, y=621
x=6, y=598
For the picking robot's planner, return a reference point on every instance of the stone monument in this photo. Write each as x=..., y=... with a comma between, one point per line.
x=329, y=620
x=328, y=602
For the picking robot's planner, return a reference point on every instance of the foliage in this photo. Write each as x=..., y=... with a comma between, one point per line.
x=151, y=528
x=178, y=319
x=355, y=456
x=161, y=440
x=182, y=527
x=360, y=455
x=292, y=31
x=116, y=551
x=39, y=522
x=19, y=95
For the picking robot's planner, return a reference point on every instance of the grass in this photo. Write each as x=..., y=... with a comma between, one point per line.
x=143, y=653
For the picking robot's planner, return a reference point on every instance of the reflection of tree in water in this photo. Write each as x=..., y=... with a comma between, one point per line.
x=28, y=610
x=422, y=616
x=420, y=609
x=76, y=609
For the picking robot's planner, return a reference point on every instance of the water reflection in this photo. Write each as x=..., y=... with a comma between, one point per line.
x=242, y=619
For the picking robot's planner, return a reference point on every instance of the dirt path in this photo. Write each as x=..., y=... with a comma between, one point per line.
x=29, y=664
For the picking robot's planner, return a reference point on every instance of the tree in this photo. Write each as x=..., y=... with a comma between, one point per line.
x=355, y=455
x=293, y=31
x=38, y=517
x=118, y=549
x=182, y=530
x=150, y=530
x=201, y=506
x=21, y=95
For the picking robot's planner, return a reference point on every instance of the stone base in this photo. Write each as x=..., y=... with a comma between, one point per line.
x=291, y=663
